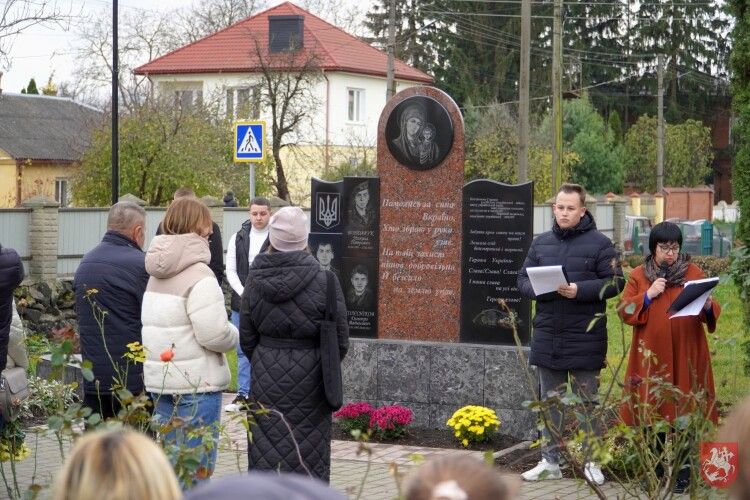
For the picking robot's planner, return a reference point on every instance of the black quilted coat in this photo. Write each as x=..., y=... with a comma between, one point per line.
x=282, y=307
x=562, y=339
x=11, y=275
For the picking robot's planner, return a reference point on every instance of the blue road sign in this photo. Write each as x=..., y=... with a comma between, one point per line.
x=249, y=141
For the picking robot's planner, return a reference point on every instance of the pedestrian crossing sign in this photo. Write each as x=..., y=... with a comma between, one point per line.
x=249, y=141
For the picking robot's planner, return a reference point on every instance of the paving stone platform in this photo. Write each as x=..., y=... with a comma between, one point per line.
x=348, y=466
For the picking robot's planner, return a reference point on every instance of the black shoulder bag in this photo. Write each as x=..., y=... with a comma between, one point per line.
x=330, y=359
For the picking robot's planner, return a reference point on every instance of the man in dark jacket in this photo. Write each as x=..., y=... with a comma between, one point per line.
x=116, y=270
x=242, y=248
x=214, y=239
x=565, y=343
x=11, y=275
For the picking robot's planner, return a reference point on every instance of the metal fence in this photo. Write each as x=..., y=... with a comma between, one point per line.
x=81, y=229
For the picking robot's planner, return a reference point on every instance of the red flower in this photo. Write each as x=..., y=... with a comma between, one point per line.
x=635, y=380
x=167, y=355
x=354, y=410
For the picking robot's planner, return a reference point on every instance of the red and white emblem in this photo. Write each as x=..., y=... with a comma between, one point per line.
x=719, y=462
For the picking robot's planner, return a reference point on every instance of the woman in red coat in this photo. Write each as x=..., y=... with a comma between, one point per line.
x=674, y=350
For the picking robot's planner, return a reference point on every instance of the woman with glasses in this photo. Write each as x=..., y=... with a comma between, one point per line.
x=674, y=351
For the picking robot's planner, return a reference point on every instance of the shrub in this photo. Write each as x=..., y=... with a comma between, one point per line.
x=712, y=266
x=354, y=416
x=47, y=397
x=389, y=422
x=473, y=424
x=634, y=260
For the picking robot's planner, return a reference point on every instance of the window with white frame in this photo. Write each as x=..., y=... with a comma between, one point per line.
x=61, y=192
x=243, y=102
x=356, y=105
x=187, y=98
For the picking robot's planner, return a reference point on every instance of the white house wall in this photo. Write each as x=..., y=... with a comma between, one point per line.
x=341, y=132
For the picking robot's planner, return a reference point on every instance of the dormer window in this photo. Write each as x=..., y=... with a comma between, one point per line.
x=285, y=33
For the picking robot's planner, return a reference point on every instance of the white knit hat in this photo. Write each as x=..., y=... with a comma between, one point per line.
x=288, y=229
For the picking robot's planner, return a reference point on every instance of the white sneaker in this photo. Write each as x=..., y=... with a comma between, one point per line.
x=543, y=470
x=238, y=404
x=593, y=473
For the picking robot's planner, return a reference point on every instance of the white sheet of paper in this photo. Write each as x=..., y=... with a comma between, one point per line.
x=545, y=279
x=694, y=308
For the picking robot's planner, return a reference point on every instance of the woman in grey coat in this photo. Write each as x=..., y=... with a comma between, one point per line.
x=283, y=305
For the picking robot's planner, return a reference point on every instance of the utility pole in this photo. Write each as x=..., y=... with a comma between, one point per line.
x=115, y=111
x=660, y=126
x=390, y=90
x=557, y=97
x=523, y=91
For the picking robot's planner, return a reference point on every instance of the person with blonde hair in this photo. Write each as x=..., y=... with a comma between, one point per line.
x=459, y=478
x=736, y=429
x=186, y=331
x=116, y=465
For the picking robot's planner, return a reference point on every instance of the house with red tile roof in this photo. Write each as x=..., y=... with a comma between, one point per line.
x=347, y=89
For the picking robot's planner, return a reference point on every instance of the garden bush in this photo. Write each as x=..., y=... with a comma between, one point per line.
x=473, y=424
x=712, y=266
x=354, y=417
x=390, y=422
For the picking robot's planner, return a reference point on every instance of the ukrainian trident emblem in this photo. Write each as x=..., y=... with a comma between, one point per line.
x=328, y=210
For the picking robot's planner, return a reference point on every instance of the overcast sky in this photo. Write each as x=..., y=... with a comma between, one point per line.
x=40, y=51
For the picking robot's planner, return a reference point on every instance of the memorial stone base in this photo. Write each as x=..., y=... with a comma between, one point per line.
x=434, y=379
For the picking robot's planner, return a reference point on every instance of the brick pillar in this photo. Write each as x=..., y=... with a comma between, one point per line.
x=43, y=237
x=216, y=206
x=619, y=212
x=658, y=208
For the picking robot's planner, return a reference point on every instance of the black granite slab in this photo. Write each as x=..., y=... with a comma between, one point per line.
x=497, y=232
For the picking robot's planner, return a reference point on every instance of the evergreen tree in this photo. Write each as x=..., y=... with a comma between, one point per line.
x=740, y=64
x=692, y=36
x=416, y=31
x=31, y=88
x=615, y=126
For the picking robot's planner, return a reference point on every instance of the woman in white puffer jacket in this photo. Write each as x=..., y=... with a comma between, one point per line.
x=185, y=327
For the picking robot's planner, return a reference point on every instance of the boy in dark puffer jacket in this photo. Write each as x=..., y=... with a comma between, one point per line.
x=567, y=343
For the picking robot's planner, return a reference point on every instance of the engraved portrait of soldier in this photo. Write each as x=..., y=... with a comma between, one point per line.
x=361, y=209
x=325, y=254
x=359, y=296
x=419, y=133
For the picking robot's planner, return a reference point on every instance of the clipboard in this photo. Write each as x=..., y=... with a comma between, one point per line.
x=693, y=296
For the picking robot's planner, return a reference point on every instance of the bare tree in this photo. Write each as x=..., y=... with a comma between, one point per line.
x=210, y=16
x=19, y=15
x=344, y=14
x=289, y=80
x=145, y=35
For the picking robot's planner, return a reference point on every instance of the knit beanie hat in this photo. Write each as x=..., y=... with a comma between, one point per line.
x=288, y=229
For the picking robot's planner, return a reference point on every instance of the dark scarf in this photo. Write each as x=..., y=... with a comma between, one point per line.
x=675, y=273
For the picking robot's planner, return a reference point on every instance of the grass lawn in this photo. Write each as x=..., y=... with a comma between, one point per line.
x=232, y=359
x=727, y=357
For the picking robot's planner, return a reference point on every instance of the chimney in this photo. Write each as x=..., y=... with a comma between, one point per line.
x=285, y=33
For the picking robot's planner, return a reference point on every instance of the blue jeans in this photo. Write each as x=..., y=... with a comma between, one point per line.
x=243, y=364
x=198, y=410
